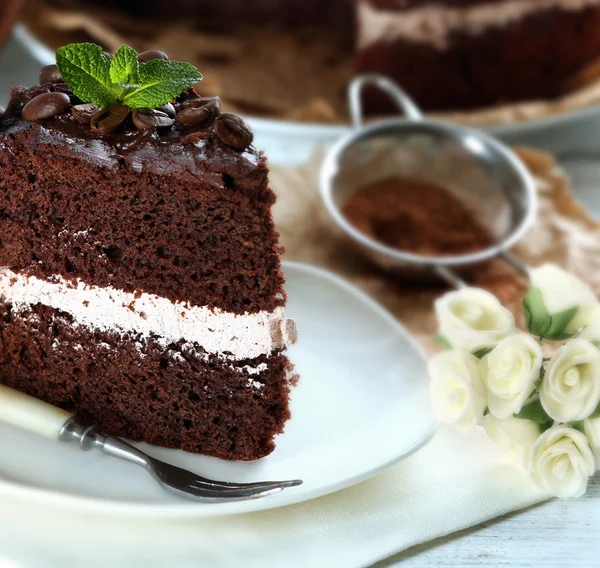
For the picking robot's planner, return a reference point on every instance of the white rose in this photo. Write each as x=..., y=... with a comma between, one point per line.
x=562, y=291
x=473, y=319
x=514, y=435
x=510, y=372
x=562, y=462
x=457, y=392
x=591, y=427
x=589, y=322
x=571, y=386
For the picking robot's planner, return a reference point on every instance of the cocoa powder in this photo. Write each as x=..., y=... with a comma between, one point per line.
x=416, y=216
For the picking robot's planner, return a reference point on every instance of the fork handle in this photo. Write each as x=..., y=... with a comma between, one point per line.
x=28, y=413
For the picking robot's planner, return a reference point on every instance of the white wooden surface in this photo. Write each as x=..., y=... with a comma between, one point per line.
x=557, y=534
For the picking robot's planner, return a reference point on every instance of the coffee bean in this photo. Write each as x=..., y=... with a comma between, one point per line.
x=199, y=113
x=83, y=113
x=50, y=74
x=232, y=130
x=150, y=118
x=213, y=103
x=108, y=120
x=146, y=56
x=168, y=109
x=45, y=105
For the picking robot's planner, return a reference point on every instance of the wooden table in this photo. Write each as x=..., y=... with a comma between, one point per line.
x=556, y=534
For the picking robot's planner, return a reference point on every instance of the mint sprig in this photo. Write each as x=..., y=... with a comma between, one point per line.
x=124, y=67
x=105, y=80
x=160, y=82
x=86, y=70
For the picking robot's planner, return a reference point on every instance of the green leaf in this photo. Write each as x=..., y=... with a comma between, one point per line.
x=125, y=69
x=540, y=323
x=578, y=425
x=596, y=413
x=560, y=321
x=537, y=317
x=538, y=382
x=546, y=426
x=443, y=342
x=481, y=353
x=534, y=411
x=161, y=81
x=86, y=71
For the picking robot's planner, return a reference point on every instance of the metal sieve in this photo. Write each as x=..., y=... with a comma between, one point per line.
x=484, y=174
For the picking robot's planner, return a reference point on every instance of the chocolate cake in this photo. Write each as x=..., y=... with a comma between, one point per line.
x=140, y=285
x=460, y=54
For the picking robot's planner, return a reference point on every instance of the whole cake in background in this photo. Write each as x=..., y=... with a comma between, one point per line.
x=460, y=54
x=448, y=55
x=141, y=285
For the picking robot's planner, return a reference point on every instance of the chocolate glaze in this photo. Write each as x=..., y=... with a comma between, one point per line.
x=182, y=216
x=175, y=151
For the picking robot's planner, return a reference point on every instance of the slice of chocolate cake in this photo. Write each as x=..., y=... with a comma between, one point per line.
x=140, y=284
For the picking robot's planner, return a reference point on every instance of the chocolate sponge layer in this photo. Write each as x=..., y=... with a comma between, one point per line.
x=185, y=217
x=176, y=395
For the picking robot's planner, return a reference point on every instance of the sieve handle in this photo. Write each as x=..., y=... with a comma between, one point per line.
x=410, y=110
x=515, y=263
x=457, y=282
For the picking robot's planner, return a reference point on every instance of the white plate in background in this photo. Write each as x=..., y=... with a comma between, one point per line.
x=360, y=406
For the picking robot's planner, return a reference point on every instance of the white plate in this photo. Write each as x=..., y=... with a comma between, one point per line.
x=292, y=142
x=361, y=405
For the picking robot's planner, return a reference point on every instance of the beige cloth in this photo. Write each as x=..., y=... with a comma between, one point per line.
x=564, y=233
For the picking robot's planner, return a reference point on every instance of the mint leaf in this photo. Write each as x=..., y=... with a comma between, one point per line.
x=124, y=68
x=98, y=78
x=86, y=70
x=160, y=82
x=534, y=411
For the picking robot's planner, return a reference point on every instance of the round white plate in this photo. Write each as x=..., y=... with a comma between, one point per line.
x=361, y=405
x=292, y=142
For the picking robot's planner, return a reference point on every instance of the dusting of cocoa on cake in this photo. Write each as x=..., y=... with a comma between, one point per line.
x=416, y=216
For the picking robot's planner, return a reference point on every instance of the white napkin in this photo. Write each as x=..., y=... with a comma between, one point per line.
x=451, y=484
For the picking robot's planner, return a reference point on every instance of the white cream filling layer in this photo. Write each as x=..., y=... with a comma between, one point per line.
x=231, y=336
x=434, y=24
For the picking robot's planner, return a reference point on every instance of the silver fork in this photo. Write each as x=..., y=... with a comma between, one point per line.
x=46, y=420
